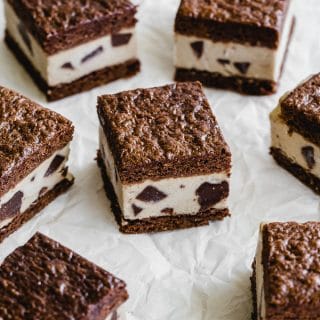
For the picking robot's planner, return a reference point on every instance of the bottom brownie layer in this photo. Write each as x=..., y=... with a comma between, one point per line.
x=42, y=202
x=305, y=177
x=254, y=292
x=235, y=83
x=90, y=81
x=159, y=223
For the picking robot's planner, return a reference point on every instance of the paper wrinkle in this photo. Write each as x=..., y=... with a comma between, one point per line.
x=200, y=273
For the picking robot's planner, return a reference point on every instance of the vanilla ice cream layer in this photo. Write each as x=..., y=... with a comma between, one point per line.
x=162, y=197
x=261, y=303
x=41, y=180
x=233, y=59
x=292, y=143
x=71, y=64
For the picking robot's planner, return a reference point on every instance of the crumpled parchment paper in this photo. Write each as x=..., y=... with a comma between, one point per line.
x=200, y=273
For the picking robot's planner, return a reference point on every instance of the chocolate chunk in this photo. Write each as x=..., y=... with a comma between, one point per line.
x=25, y=37
x=209, y=194
x=182, y=186
x=54, y=165
x=168, y=211
x=120, y=39
x=67, y=65
x=223, y=61
x=92, y=54
x=65, y=171
x=136, y=209
x=42, y=191
x=197, y=47
x=32, y=179
x=308, y=153
x=151, y=194
x=242, y=66
x=12, y=207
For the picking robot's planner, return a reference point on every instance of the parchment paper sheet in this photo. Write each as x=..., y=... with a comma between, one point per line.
x=200, y=273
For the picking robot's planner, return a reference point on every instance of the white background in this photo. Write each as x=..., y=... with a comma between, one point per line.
x=200, y=273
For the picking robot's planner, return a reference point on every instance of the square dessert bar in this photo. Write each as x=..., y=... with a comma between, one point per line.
x=34, y=149
x=295, y=130
x=44, y=280
x=231, y=44
x=286, y=272
x=72, y=46
x=164, y=161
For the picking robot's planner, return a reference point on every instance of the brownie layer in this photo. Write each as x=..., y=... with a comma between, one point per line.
x=45, y=280
x=291, y=270
x=62, y=24
x=253, y=22
x=299, y=172
x=254, y=315
x=35, y=208
x=163, y=132
x=94, y=79
x=301, y=109
x=234, y=83
x=157, y=224
x=29, y=135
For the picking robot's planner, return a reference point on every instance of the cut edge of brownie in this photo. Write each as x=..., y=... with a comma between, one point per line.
x=307, y=178
x=215, y=160
x=156, y=224
x=20, y=165
x=276, y=307
x=300, y=108
x=86, y=83
x=54, y=31
x=115, y=292
x=35, y=208
x=223, y=30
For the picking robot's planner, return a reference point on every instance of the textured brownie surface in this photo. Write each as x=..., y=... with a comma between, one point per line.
x=291, y=259
x=254, y=21
x=61, y=24
x=163, y=132
x=29, y=134
x=301, y=109
x=44, y=280
x=156, y=224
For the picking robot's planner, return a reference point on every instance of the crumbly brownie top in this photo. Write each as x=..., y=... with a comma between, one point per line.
x=44, y=280
x=73, y=22
x=266, y=13
x=29, y=134
x=293, y=264
x=264, y=16
x=305, y=100
x=158, y=128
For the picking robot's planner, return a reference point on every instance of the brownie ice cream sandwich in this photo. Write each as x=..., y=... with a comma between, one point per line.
x=286, y=272
x=72, y=46
x=230, y=44
x=45, y=280
x=295, y=131
x=163, y=159
x=34, y=149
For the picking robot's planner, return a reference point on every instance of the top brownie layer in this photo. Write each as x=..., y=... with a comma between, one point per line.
x=29, y=134
x=301, y=109
x=44, y=280
x=162, y=132
x=291, y=259
x=250, y=21
x=62, y=24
